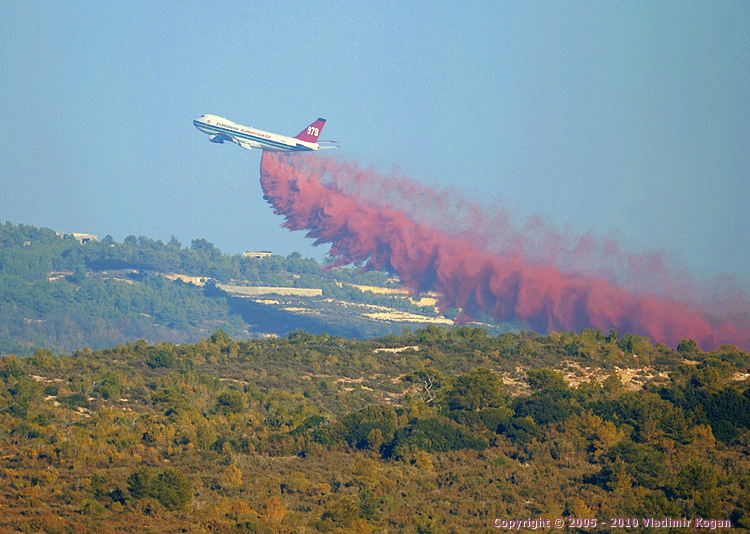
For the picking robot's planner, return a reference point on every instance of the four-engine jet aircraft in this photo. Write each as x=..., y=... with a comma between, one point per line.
x=220, y=129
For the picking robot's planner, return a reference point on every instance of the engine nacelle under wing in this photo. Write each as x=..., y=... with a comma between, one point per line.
x=218, y=138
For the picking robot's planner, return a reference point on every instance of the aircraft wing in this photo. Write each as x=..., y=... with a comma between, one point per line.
x=242, y=143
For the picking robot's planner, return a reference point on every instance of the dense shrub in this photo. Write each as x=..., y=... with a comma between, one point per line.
x=433, y=435
x=169, y=486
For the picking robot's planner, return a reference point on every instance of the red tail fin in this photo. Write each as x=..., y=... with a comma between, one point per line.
x=311, y=133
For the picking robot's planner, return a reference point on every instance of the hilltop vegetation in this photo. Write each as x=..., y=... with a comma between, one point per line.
x=432, y=431
x=56, y=293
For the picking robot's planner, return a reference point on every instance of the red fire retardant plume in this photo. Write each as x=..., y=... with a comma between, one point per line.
x=358, y=213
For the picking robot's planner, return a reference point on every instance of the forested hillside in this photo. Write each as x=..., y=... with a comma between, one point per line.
x=57, y=293
x=433, y=431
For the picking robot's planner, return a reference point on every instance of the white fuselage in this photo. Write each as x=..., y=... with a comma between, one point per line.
x=221, y=129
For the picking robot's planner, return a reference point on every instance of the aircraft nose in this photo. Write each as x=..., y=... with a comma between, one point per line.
x=199, y=123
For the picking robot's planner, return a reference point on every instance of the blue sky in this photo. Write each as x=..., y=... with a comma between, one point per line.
x=629, y=117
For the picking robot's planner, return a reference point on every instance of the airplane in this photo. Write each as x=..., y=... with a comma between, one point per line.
x=220, y=129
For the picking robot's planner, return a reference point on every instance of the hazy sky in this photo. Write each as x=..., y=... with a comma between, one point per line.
x=628, y=117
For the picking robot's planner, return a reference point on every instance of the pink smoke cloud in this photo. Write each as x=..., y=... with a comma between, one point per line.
x=480, y=262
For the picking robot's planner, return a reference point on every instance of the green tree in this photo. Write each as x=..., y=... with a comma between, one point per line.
x=547, y=406
x=230, y=402
x=358, y=426
x=340, y=513
x=202, y=244
x=477, y=389
x=433, y=435
x=694, y=478
x=161, y=358
x=541, y=379
x=140, y=482
x=687, y=346
x=172, y=489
